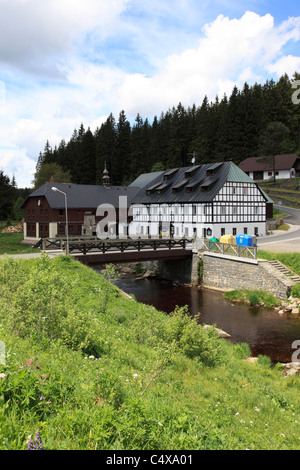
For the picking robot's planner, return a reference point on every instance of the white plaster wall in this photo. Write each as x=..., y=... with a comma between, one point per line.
x=187, y=230
x=52, y=229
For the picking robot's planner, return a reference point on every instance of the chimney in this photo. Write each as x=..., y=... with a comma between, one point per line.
x=52, y=179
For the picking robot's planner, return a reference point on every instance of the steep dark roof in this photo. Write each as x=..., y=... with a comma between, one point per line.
x=80, y=196
x=190, y=184
x=282, y=162
x=145, y=179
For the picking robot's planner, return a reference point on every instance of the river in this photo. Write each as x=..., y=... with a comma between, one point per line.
x=265, y=331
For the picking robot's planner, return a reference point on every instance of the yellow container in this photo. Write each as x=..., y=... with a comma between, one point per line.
x=228, y=239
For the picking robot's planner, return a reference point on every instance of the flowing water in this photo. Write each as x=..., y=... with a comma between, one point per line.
x=265, y=331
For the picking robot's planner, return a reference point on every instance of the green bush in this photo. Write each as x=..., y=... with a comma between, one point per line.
x=39, y=303
x=253, y=298
x=139, y=269
x=191, y=338
x=242, y=351
x=295, y=291
x=200, y=269
x=264, y=361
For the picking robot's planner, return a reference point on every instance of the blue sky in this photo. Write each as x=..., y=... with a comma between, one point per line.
x=67, y=62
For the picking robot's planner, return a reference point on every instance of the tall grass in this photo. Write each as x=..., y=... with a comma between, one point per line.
x=91, y=369
x=10, y=243
x=253, y=297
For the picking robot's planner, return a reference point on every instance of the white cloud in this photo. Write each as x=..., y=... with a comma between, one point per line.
x=33, y=32
x=230, y=52
x=63, y=80
x=19, y=164
x=288, y=64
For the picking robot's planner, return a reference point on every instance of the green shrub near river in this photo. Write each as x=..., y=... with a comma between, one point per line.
x=91, y=369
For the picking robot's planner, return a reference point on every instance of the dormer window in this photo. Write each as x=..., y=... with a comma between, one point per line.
x=177, y=187
x=170, y=173
x=190, y=171
x=162, y=187
x=192, y=186
x=212, y=169
x=152, y=188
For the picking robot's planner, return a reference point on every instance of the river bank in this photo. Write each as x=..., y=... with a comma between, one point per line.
x=89, y=369
x=267, y=330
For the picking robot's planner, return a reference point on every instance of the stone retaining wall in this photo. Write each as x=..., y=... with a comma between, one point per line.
x=224, y=272
x=227, y=273
x=184, y=272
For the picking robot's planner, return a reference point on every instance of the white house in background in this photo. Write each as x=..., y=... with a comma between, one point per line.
x=286, y=166
x=208, y=200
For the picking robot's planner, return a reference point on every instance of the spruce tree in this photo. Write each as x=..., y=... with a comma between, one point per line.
x=273, y=141
x=106, y=142
x=121, y=162
x=6, y=196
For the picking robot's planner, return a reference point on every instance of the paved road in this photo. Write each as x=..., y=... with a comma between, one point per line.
x=284, y=241
x=35, y=255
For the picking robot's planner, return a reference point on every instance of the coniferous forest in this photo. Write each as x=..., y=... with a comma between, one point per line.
x=227, y=129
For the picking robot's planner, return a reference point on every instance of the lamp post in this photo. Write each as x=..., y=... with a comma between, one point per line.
x=66, y=209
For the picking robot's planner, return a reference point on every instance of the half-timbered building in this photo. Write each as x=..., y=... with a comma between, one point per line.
x=203, y=200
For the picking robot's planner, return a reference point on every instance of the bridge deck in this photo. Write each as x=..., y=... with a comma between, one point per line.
x=131, y=256
x=95, y=251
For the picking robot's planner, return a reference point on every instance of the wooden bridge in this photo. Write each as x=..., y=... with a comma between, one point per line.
x=92, y=250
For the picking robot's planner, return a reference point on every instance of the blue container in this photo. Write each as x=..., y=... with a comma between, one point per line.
x=244, y=240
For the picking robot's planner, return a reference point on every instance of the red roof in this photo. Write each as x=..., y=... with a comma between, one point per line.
x=282, y=162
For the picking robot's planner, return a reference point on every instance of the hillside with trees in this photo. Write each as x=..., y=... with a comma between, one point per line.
x=229, y=128
x=11, y=198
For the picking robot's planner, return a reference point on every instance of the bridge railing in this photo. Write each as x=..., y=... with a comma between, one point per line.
x=86, y=245
x=122, y=245
x=239, y=251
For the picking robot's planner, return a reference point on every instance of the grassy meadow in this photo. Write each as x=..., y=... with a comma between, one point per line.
x=10, y=243
x=286, y=191
x=89, y=369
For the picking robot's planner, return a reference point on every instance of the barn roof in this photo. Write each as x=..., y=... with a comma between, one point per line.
x=282, y=162
x=80, y=196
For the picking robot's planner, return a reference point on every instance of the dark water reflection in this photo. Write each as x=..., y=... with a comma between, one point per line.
x=264, y=330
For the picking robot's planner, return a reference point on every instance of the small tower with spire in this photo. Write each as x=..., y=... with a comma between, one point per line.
x=105, y=177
